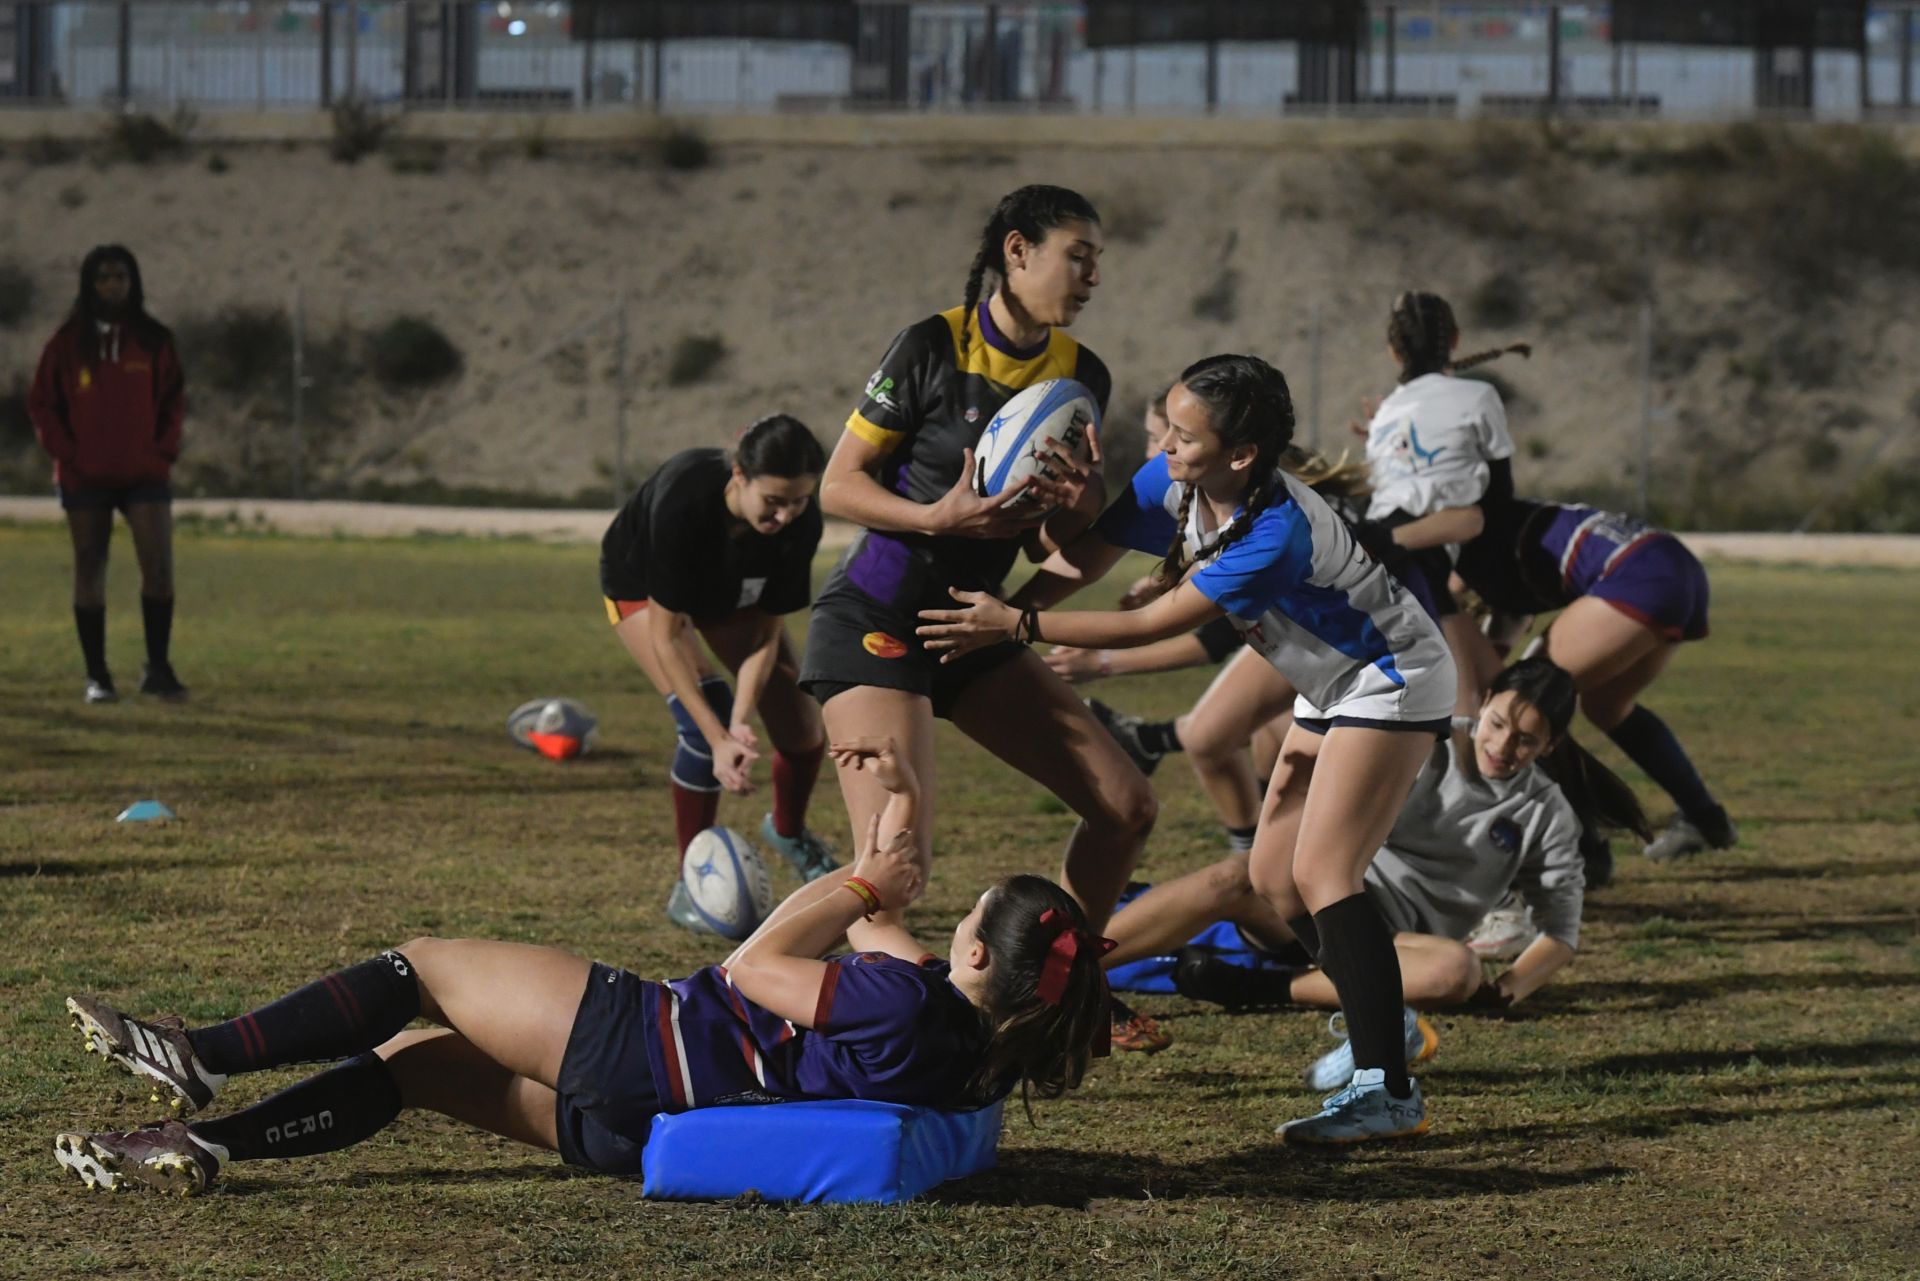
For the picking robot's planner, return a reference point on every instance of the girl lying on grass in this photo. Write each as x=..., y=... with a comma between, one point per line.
x=575, y=1057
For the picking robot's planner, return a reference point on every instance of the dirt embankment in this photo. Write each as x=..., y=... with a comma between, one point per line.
x=774, y=277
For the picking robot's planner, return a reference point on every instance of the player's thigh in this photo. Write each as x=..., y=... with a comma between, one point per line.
x=1246, y=694
x=1270, y=866
x=907, y=718
x=1360, y=783
x=514, y=1001
x=635, y=635
x=1594, y=642
x=791, y=716
x=441, y=1071
x=1608, y=702
x=1023, y=713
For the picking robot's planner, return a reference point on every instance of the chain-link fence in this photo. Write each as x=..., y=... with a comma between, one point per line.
x=1410, y=58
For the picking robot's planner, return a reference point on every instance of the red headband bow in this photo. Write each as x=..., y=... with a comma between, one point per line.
x=1067, y=942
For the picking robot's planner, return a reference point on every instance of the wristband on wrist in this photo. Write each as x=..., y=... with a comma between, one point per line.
x=863, y=890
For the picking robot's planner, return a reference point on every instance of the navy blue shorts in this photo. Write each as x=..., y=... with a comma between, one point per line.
x=1661, y=585
x=607, y=1098
x=78, y=498
x=854, y=640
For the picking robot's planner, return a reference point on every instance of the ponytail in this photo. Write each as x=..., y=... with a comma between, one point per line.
x=1040, y=1043
x=1522, y=349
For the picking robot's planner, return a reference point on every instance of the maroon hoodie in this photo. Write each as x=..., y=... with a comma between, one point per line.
x=107, y=405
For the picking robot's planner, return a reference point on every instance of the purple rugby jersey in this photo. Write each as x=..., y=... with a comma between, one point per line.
x=884, y=1029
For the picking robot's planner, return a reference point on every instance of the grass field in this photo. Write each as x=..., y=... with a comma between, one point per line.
x=1727, y=1084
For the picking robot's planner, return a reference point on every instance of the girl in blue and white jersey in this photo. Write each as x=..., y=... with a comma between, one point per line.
x=1251, y=542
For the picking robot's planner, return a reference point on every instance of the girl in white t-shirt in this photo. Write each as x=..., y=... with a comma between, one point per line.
x=1439, y=457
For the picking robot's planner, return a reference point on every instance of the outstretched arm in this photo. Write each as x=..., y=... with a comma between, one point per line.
x=779, y=968
x=985, y=621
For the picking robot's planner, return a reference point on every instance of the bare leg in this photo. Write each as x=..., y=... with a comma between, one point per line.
x=1266, y=745
x=441, y=1071
x=908, y=720
x=791, y=716
x=1434, y=972
x=1032, y=720
x=513, y=1002
x=632, y=632
x=1161, y=921
x=1595, y=643
x=1246, y=694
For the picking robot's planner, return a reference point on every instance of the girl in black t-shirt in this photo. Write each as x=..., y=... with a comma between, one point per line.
x=723, y=546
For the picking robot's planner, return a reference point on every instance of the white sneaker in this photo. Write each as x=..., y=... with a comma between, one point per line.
x=1503, y=933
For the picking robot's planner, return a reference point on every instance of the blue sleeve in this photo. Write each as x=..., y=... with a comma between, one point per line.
x=871, y=996
x=1262, y=568
x=1139, y=518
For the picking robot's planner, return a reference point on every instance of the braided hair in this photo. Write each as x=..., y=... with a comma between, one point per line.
x=86, y=304
x=1032, y=211
x=1249, y=404
x=1422, y=330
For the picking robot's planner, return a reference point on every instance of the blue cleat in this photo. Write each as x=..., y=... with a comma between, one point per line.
x=682, y=912
x=1334, y=1068
x=1361, y=1112
x=806, y=853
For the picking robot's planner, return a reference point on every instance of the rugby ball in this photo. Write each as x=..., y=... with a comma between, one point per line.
x=1009, y=450
x=727, y=881
x=557, y=728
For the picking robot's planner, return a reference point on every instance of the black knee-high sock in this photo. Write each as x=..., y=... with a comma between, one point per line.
x=1160, y=736
x=91, y=622
x=158, y=617
x=1357, y=954
x=1307, y=932
x=1649, y=744
x=324, y=1113
x=342, y=1014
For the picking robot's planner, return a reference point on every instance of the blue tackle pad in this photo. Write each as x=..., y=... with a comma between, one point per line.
x=831, y=1150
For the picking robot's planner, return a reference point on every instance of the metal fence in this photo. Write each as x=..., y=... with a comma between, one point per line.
x=1416, y=58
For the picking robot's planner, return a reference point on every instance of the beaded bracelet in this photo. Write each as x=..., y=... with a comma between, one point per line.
x=863, y=888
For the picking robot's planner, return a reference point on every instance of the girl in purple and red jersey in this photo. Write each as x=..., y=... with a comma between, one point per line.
x=107, y=403
x=1629, y=595
x=555, y=1051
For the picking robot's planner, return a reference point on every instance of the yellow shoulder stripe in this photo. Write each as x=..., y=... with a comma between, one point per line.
x=873, y=433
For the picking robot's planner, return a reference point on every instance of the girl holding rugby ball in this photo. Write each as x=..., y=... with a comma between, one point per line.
x=1376, y=684
x=903, y=471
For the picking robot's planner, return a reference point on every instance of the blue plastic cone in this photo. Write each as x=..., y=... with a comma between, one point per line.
x=146, y=812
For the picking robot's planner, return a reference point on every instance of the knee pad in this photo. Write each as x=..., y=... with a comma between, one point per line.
x=692, y=762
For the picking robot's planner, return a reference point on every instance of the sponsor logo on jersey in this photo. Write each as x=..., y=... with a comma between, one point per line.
x=881, y=645
x=973, y=413
x=880, y=391
x=1506, y=834
x=750, y=589
x=86, y=379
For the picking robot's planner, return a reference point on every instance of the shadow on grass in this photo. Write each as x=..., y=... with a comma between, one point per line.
x=62, y=868
x=1266, y=1172
x=1651, y=1123
x=1668, y=994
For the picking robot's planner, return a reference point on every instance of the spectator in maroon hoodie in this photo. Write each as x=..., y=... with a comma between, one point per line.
x=106, y=404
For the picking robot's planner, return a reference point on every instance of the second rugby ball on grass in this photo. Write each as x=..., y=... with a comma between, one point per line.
x=728, y=882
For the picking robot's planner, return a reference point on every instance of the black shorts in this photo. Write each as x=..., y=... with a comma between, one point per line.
x=854, y=640
x=607, y=1098
x=1441, y=729
x=82, y=498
